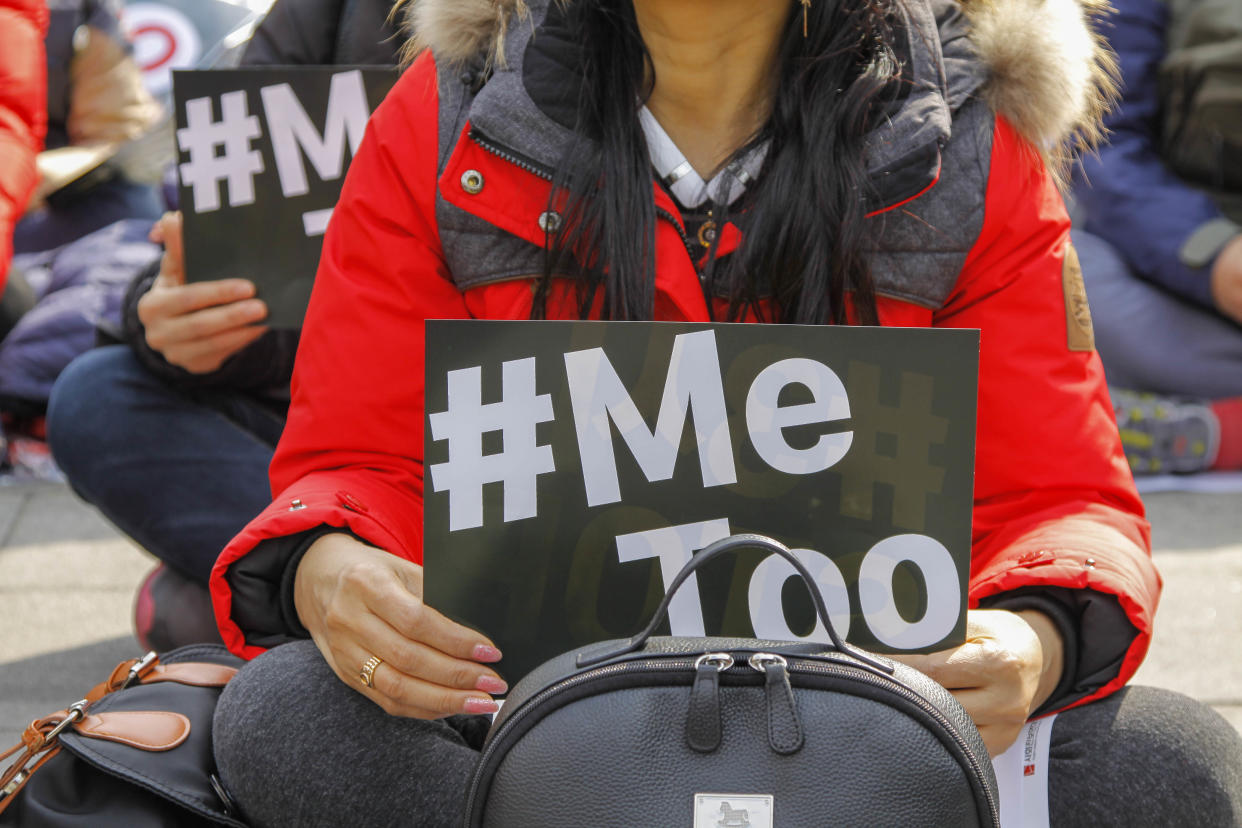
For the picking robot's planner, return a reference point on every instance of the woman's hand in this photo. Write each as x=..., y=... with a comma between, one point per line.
x=200, y=325
x=359, y=601
x=1010, y=664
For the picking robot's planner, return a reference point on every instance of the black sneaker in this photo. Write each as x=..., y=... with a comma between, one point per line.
x=1165, y=434
x=171, y=611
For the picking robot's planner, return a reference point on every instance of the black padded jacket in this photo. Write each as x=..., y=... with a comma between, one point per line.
x=294, y=33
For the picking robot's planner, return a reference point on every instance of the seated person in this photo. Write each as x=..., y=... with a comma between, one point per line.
x=813, y=94
x=23, y=120
x=95, y=101
x=170, y=435
x=1160, y=242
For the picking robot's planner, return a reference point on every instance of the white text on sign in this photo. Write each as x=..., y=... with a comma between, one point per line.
x=600, y=401
x=220, y=151
x=672, y=547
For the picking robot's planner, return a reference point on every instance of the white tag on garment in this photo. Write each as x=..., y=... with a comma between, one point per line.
x=1022, y=777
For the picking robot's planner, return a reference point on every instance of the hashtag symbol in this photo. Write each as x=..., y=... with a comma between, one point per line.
x=236, y=165
x=914, y=429
x=517, y=465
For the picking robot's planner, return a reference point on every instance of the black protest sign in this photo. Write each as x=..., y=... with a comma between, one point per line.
x=263, y=154
x=572, y=468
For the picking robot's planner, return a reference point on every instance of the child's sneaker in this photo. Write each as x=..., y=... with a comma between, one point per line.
x=171, y=611
x=1165, y=434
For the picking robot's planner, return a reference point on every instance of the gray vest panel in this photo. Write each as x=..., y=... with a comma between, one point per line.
x=476, y=251
x=921, y=245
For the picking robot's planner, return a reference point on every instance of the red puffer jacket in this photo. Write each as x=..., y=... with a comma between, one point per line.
x=1055, y=503
x=23, y=112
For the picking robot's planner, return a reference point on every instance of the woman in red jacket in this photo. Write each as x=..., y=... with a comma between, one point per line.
x=805, y=161
x=23, y=121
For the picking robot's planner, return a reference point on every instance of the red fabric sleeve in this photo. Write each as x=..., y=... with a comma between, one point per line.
x=1055, y=502
x=23, y=112
x=381, y=274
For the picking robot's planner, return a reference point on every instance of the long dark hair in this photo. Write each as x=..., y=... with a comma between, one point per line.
x=802, y=219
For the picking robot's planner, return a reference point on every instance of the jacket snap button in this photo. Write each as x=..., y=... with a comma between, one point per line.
x=550, y=221
x=297, y=505
x=1090, y=563
x=472, y=182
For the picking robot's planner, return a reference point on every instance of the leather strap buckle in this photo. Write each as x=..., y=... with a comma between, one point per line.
x=76, y=713
x=140, y=669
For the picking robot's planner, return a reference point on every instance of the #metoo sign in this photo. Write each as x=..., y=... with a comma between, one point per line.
x=573, y=468
x=263, y=154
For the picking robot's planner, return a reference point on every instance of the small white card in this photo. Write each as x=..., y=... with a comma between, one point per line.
x=1022, y=777
x=732, y=811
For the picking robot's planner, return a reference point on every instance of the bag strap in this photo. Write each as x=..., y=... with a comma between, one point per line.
x=715, y=550
x=42, y=742
x=125, y=674
x=155, y=730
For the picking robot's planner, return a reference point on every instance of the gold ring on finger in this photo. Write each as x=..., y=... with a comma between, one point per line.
x=367, y=674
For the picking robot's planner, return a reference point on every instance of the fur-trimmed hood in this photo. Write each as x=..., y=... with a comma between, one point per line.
x=1050, y=74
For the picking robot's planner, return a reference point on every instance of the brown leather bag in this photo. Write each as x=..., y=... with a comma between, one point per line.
x=136, y=751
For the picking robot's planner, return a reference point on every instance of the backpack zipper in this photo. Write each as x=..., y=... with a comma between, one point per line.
x=796, y=665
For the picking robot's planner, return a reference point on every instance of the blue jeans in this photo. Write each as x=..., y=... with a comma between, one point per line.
x=51, y=227
x=1151, y=340
x=179, y=472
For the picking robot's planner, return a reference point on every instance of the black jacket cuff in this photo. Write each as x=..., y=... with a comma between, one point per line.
x=262, y=585
x=1095, y=631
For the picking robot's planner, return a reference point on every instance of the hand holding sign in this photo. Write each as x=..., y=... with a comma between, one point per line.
x=1010, y=664
x=263, y=153
x=360, y=602
x=196, y=327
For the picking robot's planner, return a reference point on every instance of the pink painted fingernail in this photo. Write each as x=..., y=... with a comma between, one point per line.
x=491, y=684
x=476, y=705
x=486, y=653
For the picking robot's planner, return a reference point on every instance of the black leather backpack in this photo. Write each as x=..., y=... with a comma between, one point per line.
x=653, y=732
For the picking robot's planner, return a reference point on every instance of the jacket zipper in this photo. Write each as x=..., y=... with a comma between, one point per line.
x=535, y=168
x=796, y=665
x=519, y=161
x=685, y=240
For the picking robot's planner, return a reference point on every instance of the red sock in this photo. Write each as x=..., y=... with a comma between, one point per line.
x=1229, y=414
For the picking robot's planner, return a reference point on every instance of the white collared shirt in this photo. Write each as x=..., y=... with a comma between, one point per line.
x=684, y=181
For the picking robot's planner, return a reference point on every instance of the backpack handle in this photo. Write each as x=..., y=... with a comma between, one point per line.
x=701, y=559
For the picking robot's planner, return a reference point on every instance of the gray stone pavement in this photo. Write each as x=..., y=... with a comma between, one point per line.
x=67, y=580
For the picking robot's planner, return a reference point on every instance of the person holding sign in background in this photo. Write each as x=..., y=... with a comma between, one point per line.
x=875, y=163
x=198, y=366
x=23, y=123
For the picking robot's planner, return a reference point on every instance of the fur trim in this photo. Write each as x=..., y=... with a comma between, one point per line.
x=460, y=31
x=1053, y=77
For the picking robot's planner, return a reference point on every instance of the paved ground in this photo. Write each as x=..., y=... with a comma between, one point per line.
x=67, y=580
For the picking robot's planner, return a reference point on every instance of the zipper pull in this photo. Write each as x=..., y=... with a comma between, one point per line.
x=703, y=719
x=784, y=727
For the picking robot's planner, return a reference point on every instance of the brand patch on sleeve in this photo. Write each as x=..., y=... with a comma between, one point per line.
x=1080, y=331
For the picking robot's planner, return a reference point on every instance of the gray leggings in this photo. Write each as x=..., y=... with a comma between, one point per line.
x=298, y=748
